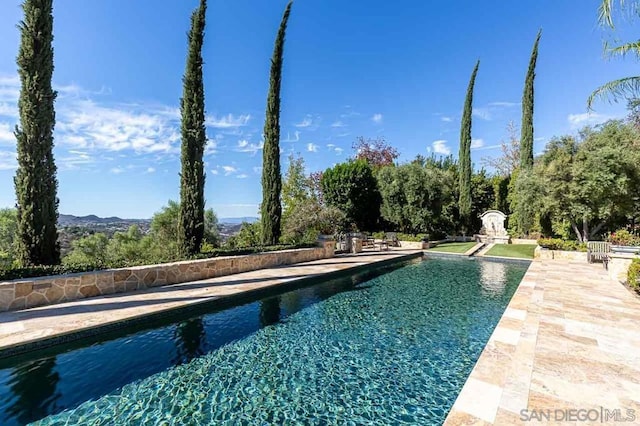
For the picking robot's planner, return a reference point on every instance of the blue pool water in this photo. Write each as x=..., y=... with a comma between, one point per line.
x=392, y=349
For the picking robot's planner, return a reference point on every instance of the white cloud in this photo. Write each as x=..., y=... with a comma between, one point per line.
x=151, y=170
x=335, y=148
x=377, y=118
x=8, y=160
x=338, y=124
x=311, y=147
x=587, y=119
x=296, y=137
x=213, y=172
x=8, y=110
x=477, y=143
x=6, y=134
x=482, y=113
x=306, y=122
x=446, y=119
x=229, y=170
x=85, y=124
x=440, y=147
x=228, y=121
x=242, y=176
x=502, y=104
x=246, y=146
x=257, y=170
x=117, y=170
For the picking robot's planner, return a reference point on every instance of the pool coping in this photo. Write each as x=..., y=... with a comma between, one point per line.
x=199, y=306
x=552, y=348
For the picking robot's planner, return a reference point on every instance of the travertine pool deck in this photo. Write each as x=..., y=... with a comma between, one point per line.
x=31, y=328
x=569, y=340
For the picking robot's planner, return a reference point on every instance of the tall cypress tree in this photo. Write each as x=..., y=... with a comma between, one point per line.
x=194, y=139
x=464, y=201
x=526, y=138
x=271, y=209
x=35, y=181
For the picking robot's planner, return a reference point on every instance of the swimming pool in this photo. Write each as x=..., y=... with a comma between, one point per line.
x=389, y=349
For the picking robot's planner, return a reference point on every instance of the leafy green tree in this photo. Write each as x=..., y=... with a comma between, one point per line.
x=295, y=186
x=525, y=199
x=591, y=183
x=352, y=188
x=91, y=250
x=526, y=139
x=501, y=194
x=8, y=232
x=411, y=199
x=483, y=197
x=248, y=236
x=309, y=218
x=271, y=209
x=465, y=151
x=194, y=140
x=623, y=88
x=35, y=181
x=165, y=229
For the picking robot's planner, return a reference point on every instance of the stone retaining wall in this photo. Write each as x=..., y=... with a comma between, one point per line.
x=541, y=253
x=619, y=266
x=28, y=293
x=417, y=245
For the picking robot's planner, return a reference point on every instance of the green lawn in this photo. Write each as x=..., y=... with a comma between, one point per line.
x=522, y=251
x=453, y=247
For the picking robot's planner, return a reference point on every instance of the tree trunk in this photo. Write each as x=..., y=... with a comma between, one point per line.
x=574, y=226
x=595, y=230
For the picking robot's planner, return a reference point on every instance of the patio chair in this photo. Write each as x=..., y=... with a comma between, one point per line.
x=368, y=241
x=392, y=239
x=599, y=250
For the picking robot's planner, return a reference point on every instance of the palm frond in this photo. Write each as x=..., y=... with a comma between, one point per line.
x=605, y=16
x=624, y=88
x=623, y=49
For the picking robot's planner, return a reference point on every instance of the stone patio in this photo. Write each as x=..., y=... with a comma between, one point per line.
x=569, y=340
x=32, y=328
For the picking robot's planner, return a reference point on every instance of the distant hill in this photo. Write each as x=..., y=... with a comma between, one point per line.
x=71, y=220
x=237, y=220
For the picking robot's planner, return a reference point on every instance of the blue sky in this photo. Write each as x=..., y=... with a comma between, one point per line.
x=358, y=68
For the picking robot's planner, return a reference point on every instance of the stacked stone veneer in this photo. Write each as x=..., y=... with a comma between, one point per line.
x=28, y=293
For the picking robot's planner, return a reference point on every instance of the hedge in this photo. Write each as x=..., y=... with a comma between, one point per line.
x=402, y=237
x=559, y=244
x=7, y=274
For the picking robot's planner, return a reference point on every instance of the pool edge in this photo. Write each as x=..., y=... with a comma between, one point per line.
x=201, y=306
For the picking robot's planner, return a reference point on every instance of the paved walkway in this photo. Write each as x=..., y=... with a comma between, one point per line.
x=569, y=340
x=22, y=328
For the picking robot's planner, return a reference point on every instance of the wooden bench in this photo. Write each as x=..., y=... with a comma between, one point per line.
x=599, y=250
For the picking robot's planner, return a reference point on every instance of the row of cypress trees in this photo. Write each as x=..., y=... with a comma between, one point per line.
x=526, y=139
x=36, y=183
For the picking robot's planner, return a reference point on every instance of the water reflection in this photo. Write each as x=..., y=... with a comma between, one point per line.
x=33, y=390
x=270, y=311
x=493, y=277
x=190, y=337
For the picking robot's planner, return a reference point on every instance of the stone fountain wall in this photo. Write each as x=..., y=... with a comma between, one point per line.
x=28, y=293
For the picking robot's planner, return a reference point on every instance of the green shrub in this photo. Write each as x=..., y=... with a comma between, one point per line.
x=622, y=237
x=402, y=237
x=633, y=276
x=559, y=244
